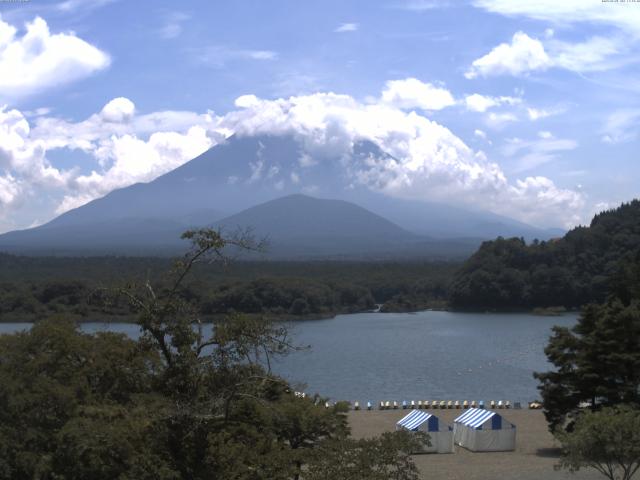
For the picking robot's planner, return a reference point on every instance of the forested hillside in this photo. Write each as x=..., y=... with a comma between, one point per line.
x=33, y=288
x=570, y=271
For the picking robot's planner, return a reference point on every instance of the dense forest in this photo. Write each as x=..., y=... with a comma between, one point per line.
x=32, y=288
x=503, y=274
x=570, y=271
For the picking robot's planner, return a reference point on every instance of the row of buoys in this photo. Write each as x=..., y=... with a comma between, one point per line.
x=445, y=404
x=438, y=404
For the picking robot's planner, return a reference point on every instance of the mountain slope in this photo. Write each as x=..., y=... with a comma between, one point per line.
x=302, y=216
x=300, y=225
x=569, y=271
x=234, y=176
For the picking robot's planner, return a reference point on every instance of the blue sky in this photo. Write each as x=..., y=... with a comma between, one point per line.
x=527, y=108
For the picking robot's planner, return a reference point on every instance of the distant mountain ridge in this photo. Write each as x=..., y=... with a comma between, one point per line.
x=234, y=180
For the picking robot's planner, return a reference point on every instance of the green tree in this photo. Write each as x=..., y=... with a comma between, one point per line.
x=607, y=440
x=383, y=458
x=176, y=404
x=52, y=375
x=598, y=360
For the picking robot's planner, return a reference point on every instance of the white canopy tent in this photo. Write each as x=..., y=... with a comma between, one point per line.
x=440, y=434
x=482, y=430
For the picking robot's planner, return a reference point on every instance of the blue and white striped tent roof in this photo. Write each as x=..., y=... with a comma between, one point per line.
x=416, y=418
x=476, y=417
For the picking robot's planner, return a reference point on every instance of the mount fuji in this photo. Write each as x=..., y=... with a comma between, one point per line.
x=307, y=205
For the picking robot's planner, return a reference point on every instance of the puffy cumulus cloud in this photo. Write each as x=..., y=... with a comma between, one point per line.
x=118, y=110
x=10, y=191
x=128, y=159
x=245, y=101
x=39, y=59
x=117, y=118
x=524, y=54
x=23, y=165
x=422, y=159
x=481, y=103
x=425, y=160
x=412, y=93
x=123, y=148
x=539, y=199
x=22, y=156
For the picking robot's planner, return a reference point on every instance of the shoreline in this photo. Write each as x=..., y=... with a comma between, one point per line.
x=212, y=319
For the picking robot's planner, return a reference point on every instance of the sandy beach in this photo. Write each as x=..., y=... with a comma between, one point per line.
x=534, y=458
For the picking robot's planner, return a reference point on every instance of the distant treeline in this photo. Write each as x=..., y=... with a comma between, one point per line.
x=571, y=271
x=503, y=274
x=32, y=288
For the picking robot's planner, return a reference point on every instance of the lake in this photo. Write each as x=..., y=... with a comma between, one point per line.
x=411, y=356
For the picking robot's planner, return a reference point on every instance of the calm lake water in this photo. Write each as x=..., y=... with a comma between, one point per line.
x=426, y=355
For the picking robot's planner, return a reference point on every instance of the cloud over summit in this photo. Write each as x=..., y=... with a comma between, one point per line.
x=425, y=161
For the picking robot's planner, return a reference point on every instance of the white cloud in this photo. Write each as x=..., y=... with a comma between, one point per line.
x=9, y=192
x=427, y=161
x=481, y=103
x=118, y=110
x=526, y=54
x=412, y=93
x=621, y=126
x=39, y=60
x=38, y=112
x=20, y=156
x=306, y=160
x=538, y=113
x=126, y=148
x=347, y=27
x=173, y=25
x=523, y=55
x=73, y=5
x=591, y=55
x=598, y=53
x=499, y=120
x=480, y=133
x=218, y=56
x=622, y=16
x=422, y=5
x=245, y=101
x=128, y=159
x=534, y=153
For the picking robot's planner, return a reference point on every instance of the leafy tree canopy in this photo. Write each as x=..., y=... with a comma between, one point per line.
x=175, y=404
x=597, y=362
x=571, y=271
x=608, y=441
